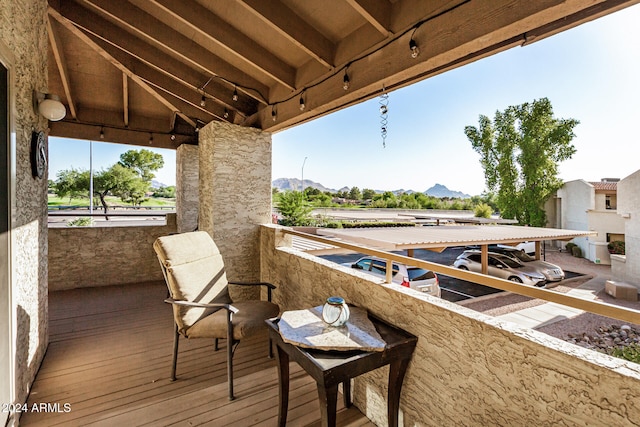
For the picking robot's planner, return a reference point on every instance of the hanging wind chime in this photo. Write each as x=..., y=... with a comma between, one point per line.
x=384, y=111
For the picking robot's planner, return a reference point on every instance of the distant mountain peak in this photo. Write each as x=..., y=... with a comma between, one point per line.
x=439, y=190
x=294, y=184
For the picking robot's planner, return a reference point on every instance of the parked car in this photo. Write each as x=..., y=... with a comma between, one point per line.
x=528, y=247
x=500, y=266
x=552, y=272
x=404, y=275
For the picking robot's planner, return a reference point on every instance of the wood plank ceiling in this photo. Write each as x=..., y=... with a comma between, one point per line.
x=154, y=71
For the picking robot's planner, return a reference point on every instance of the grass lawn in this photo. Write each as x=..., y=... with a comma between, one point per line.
x=55, y=201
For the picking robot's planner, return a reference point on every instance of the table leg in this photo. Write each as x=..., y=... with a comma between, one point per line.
x=346, y=393
x=283, y=385
x=397, y=369
x=328, y=399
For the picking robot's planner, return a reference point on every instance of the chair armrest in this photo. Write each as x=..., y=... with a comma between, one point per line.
x=227, y=307
x=269, y=286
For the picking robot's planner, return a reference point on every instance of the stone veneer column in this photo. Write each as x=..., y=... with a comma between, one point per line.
x=235, y=193
x=187, y=184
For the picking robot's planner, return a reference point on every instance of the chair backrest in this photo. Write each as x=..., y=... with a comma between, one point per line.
x=194, y=271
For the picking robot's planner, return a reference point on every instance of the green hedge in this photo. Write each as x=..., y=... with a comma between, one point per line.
x=376, y=224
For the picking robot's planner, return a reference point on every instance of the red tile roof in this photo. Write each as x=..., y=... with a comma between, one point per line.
x=605, y=186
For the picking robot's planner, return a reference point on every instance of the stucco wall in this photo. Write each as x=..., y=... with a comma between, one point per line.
x=81, y=257
x=468, y=368
x=629, y=209
x=576, y=198
x=187, y=176
x=235, y=193
x=604, y=222
x=23, y=30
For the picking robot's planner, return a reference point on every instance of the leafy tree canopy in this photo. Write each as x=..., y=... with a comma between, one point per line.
x=520, y=151
x=144, y=162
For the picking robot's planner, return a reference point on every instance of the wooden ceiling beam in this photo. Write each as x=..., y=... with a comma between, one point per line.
x=61, y=62
x=80, y=130
x=136, y=21
x=162, y=62
x=69, y=25
x=166, y=64
x=282, y=19
x=212, y=27
x=469, y=31
x=125, y=99
x=376, y=12
x=161, y=81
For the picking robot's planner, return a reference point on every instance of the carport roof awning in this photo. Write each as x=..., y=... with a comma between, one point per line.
x=440, y=237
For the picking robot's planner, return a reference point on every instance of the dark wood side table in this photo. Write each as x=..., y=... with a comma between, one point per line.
x=330, y=368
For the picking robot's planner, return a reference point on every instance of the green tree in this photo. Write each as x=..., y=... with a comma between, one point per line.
x=165, y=192
x=294, y=210
x=72, y=183
x=121, y=182
x=520, y=152
x=128, y=179
x=143, y=162
x=368, y=193
x=354, y=194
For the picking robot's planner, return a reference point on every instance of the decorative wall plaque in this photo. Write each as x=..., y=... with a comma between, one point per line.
x=38, y=154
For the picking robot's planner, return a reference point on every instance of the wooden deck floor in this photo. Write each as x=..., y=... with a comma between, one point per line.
x=109, y=360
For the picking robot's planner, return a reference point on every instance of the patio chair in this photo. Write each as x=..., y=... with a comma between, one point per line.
x=198, y=291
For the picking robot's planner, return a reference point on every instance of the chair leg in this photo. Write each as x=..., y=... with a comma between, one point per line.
x=215, y=344
x=176, y=337
x=270, y=348
x=230, y=355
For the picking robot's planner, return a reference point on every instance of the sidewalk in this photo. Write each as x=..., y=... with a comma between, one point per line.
x=545, y=314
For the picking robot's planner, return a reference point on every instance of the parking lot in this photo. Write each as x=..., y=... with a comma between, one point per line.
x=453, y=289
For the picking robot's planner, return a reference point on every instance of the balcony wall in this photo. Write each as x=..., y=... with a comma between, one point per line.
x=99, y=256
x=468, y=368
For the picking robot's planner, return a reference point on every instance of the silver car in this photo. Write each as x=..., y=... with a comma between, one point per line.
x=501, y=266
x=405, y=275
x=552, y=272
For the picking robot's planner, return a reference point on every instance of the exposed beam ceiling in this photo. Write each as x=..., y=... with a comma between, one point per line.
x=135, y=68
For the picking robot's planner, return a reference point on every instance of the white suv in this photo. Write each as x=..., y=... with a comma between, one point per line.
x=404, y=275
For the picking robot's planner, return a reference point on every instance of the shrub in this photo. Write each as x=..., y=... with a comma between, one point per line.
x=617, y=248
x=569, y=247
x=630, y=352
x=81, y=222
x=294, y=209
x=576, y=251
x=482, y=211
x=376, y=224
x=332, y=224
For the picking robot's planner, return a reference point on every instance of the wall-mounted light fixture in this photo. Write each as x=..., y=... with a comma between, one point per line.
x=49, y=106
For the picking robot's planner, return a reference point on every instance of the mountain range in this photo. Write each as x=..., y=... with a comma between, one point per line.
x=438, y=190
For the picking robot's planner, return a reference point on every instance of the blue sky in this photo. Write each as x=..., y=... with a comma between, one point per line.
x=589, y=73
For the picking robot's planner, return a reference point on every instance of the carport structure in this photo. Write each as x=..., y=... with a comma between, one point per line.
x=438, y=238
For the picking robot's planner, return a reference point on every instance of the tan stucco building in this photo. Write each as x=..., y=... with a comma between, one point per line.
x=588, y=206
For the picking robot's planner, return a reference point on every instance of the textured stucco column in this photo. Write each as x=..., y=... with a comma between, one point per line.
x=235, y=193
x=23, y=42
x=187, y=183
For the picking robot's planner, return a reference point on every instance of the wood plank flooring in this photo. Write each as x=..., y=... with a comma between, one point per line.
x=108, y=364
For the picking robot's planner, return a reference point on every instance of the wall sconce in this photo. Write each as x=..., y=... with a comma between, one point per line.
x=49, y=106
